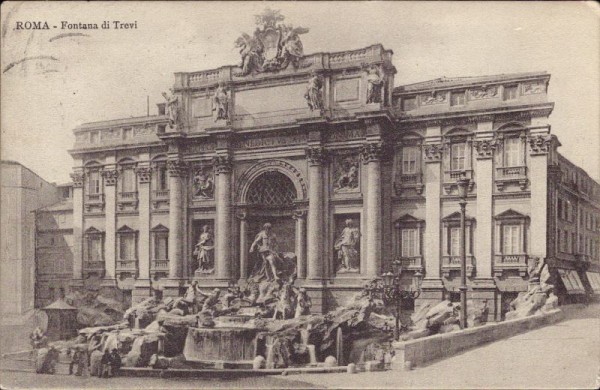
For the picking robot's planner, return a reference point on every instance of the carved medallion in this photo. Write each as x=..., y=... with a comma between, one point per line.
x=539, y=144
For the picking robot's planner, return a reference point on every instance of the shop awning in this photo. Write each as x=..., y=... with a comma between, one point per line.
x=571, y=280
x=594, y=279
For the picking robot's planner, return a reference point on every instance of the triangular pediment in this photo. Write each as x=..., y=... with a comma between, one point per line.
x=455, y=216
x=511, y=214
x=92, y=230
x=407, y=218
x=125, y=229
x=160, y=228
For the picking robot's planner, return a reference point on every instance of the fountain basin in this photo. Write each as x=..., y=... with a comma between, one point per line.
x=224, y=344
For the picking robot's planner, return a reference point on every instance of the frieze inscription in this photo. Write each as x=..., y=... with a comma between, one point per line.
x=272, y=141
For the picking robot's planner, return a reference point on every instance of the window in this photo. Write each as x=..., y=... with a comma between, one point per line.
x=128, y=180
x=511, y=231
x=510, y=92
x=93, y=178
x=409, y=103
x=162, y=178
x=410, y=158
x=457, y=98
x=458, y=156
x=513, y=152
x=127, y=133
x=127, y=247
x=94, y=246
x=161, y=247
x=409, y=242
x=454, y=249
x=66, y=192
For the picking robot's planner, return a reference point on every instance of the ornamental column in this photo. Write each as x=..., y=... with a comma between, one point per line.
x=372, y=154
x=299, y=216
x=316, y=158
x=110, y=175
x=78, y=178
x=483, y=234
x=243, y=244
x=144, y=173
x=223, y=223
x=177, y=174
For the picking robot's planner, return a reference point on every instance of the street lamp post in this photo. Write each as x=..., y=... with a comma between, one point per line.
x=388, y=288
x=463, y=184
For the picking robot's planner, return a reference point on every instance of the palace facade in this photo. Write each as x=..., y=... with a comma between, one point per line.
x=319, y=141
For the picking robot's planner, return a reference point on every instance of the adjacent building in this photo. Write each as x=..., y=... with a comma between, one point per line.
x=23, y=192
x=350, y=171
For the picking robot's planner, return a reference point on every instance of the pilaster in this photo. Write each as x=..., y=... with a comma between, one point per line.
x=177, y=173
x=316, y=157
x=144, y=173
x=300, y=216
x=78, y=178
x=110, y=175
x=484, y=152
x=540, y=145
x=223, y=223
x=372, y=155
x=241, y=215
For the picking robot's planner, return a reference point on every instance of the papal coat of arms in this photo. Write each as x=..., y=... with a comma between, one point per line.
x=273, y=47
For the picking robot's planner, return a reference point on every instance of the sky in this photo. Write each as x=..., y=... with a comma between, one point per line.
x=108, y=74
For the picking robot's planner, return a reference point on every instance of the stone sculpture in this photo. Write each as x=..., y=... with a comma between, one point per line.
x=172, y=108
x=540, y=296
x=204, y=187
x=220, y=103
x=273, y=46
x=313, y=93
x=345, y=245
x=204, y=251
x=265, y=244
x=303, y=303
x=374, y=85
x=347, y=175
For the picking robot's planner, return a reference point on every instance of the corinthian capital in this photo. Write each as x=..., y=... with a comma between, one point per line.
x=177, y=168
x=144, y=174
x=540, y=144
x=222, y=163
x=373, y=151
x=110, y=176
x=316, y=155
x=77, y=178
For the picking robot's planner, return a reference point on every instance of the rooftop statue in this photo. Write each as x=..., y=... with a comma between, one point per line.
x=273, y=46
x=172, y=108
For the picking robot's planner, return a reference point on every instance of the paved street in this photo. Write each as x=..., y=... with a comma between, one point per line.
x=565, y=355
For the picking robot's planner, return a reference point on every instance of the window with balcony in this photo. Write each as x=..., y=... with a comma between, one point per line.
x=451, y=244
x=511, y=242
x=127, y=187
x=408, y=233
x=511, y=166
x=160, y=250
x=160, y=183
x=93, y=252
x=408, y=166
x=457, y=158
x=94, y=198
x=127, y=250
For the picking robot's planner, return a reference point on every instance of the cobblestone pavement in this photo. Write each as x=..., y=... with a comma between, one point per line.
x=564, y=355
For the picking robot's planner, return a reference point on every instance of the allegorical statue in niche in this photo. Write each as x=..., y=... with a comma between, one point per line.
x=374, y=85
x=313, y=93
x=204, y=251
x=220, y=103
x=204, y=187
x=345, y=245
x=269, y=264
x=347, y=175
x=172, y=108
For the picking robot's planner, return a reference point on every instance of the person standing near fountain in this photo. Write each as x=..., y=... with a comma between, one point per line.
x=266, y=244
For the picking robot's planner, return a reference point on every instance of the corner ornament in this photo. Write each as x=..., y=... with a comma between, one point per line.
x=177, y=168
x=110, y=176
x=373, y=151
x=77, y=178
x=433, y=152
x=144, y=174
x=273, y=46
x=222, y=163
x=485, y=148
x=539, y=144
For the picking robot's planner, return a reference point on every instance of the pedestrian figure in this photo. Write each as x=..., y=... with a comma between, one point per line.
x=106, y=365
x=115, y=361
x=75, y=358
